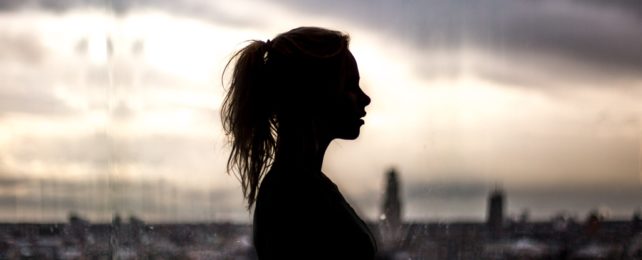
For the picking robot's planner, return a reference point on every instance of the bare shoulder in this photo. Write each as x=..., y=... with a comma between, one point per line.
x=282, y=194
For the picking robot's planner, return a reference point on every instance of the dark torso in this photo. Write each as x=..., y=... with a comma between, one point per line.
x=301, y=216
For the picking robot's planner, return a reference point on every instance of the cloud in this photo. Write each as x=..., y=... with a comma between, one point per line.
x=20, y=46
x=21, y=91
x=579, y=37
x=632, y=7
x=204, y=10
x=97, y=151
x=578, y=41
x=20, y=100
x=586, y=40
x=11, y=181
x=156, y=114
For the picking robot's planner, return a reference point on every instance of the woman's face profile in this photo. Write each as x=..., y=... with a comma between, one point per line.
x=349, y=108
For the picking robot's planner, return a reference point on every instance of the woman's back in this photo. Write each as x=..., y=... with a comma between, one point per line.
x=304, y=216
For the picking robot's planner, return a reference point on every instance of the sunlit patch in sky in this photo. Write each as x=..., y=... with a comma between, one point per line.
x=99, y=48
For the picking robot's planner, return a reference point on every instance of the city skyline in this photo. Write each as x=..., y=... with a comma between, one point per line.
x=498, y=237
x=160, y=201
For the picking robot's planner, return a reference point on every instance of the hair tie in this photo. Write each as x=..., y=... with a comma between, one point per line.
x=266, y=48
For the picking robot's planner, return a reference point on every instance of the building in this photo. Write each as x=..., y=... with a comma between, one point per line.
x=495, y=214
x=391, y=222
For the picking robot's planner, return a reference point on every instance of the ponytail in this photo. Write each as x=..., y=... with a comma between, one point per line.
x=265, y=75
x=248, y=118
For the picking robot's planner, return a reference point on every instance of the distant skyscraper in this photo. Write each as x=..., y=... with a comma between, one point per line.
x=636, y=222
x=495, y=215
x=391, y=211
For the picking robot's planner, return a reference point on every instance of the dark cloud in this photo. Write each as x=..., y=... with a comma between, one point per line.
x=8, y=5
x=578, y=39
x=633, y=7
x=582, y=39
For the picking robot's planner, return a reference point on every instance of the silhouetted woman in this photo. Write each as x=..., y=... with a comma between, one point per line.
x=288, y=98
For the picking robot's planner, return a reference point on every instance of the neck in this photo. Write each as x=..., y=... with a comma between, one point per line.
x=300, y=149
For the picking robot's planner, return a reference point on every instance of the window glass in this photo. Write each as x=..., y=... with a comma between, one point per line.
x=498, y=129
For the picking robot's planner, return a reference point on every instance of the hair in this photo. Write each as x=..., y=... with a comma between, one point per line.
x=266, y=75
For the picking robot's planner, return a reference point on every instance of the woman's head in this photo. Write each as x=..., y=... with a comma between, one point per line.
x=304, y=83
x=304, y=70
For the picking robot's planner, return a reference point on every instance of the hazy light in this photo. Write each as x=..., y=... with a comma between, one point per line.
x=98, y=48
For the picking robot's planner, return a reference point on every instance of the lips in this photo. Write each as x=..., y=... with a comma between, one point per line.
x=361, y=116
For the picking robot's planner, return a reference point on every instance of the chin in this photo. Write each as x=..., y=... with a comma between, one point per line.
x=350, y=134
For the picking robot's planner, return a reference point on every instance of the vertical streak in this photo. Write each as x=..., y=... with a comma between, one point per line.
x=113, y=241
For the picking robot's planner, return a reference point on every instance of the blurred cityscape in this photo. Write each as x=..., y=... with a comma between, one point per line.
x=562, y=237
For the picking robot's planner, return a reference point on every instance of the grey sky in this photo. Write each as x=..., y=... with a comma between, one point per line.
x=540, y=96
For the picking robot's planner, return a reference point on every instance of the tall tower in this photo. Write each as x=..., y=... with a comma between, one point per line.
x=391, y=211
x=495, y=215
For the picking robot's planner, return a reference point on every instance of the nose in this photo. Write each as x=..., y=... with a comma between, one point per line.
x=365, y=98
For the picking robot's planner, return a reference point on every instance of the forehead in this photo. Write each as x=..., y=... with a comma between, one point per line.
x=350, y=67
